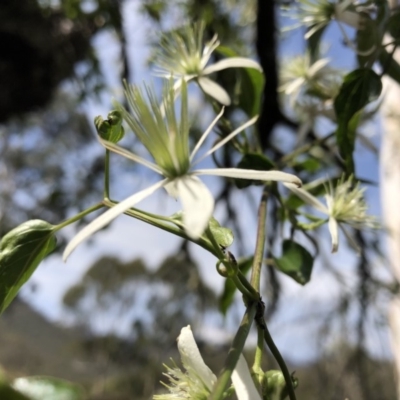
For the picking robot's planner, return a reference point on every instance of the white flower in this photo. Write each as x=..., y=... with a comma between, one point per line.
x=299, y=76
x=167, y=141
x=344, y=204
x=184, y=56
x=197, y=381
x=316, y=14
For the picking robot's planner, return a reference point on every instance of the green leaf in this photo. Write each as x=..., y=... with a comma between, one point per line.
x=369, y=39
x=313, y=44
x=359, y=88
x=295, y=262
x=250, y=88
x=110, y=129
x=309, y=164
x=47, y=388
x=226, y=299
x=21, y=251
x=367, y=43
x=254, y=161
x=389, y=65
x=223, y=236
x=393, y=25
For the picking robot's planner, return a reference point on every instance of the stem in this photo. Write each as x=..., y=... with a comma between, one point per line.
x=260, y=244
x=157, y=221
x=234, y=353
x=79, y=216
x=238, y=278
x=107, y=175
x=262, y=329
x=254, y=295
x=302, y=149
x=259, y=351
x=242, y=288
x=281, y=362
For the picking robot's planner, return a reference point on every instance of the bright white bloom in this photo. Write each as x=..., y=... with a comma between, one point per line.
x=183, y=55
x=197, y=381
x=167, y=140
x=316, y=14
x=299, y=76
x=344, y=204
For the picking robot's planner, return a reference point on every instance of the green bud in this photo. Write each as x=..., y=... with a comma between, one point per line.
x=110, y=129
x=274, y=385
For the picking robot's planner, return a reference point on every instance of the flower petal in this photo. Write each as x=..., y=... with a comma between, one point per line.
x=126, y=153
x=251, y=174
x=191, y=358
x=334, y=231
x=227, y=138
x=233, y=62
x=242, y=381
x=308, y=198
x=206, y=133
x=214, y=90
x=171, y=189
x=317, y=66
x=197, y=204
x=109, y=215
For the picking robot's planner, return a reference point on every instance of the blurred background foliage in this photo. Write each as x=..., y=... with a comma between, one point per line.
x=50, y=167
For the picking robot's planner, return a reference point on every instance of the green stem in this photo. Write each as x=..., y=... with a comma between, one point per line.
x=163, y=223
x=234, y=353
x=107, y=175
x=260, y=244
x=78, y=216
x=303, y=149
x=254, y=295
x=259, y=351
x=238, y=278
x=281, y=362
x=242, y=288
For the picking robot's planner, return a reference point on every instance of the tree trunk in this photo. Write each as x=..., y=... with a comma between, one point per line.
x=390, y=198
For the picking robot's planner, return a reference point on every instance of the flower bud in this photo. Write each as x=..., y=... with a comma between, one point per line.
x=110, y=129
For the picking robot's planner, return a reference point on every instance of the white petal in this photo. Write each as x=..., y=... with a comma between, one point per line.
x=317, y=66
x=227, y=139
x=197, y=204
x=251, y=174
x=171, y=189
x=242, y=381
x=206, y=133
x=308, y=198
x=334, y=231
x=350, y=239
x=109, y=215
x=214, y=90
x=293, y=86
x=191, y=357
x=233, y=62
x=126, y=153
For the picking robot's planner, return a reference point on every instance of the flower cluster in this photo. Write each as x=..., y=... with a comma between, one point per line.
x=345, y=204
x=197, y=381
